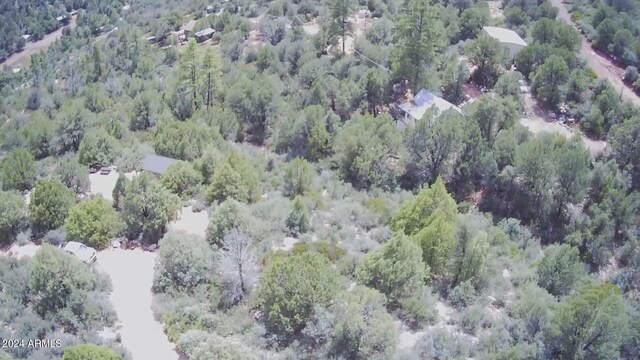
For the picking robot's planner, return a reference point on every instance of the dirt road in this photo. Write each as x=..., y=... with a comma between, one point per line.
x=131, y=273
x=19, y=59
x=599, y=64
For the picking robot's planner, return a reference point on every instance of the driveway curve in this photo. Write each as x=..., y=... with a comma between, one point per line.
x=601, y=65
x=131, y=273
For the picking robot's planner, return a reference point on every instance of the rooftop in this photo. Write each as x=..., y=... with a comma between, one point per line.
x=205, y=32
x=156, y=164
x=504, y=35
x=424, y=100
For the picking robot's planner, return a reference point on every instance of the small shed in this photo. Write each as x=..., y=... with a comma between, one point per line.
x=156, y=164
x=509, y=39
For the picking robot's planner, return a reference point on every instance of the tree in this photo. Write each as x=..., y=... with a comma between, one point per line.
x=298, y=177
x=120, y=190
x=39, y=134
x=184, y=262
x=98, y=148
x=208, y=162
x=319, y=141
x=624, y=139
x=473, y=20
x=93, y=222
x=361, y=328
x=89, y=352
x=375, y=84
x=184, y=140
x=456, y=74
x=143, y=116
x=181, y=179
x=238, y=265
x=18, y=170
x=534, y=308
x=420, y=38
x=299, y=219
x=486, y=53
x=72, y=125
x=147, y=208
x=433, y=144
x=468, y=261
x=253, y=101
x=395, y=269
x=211, y=75
x=57, y=281
x=560, y=269
x=363, y=150
x=291, y=287
x=429, y=220
x=226, y=183
x=508, y=84
x=229, y=215
x=340, y=12
x=50, y=204
x=549, y=79
x=13, y=216
x=73, y=175
x=589, y=324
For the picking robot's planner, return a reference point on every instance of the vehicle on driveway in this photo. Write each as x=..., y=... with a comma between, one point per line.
x=81, y=251
x=94, y=169
x=105, y=171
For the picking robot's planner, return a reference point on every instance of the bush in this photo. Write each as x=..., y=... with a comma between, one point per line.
x=462, y=295
x=471, y=319
x=93, y=222
x=631, y=74
x=330, y=251
x=439, y=343
x=299, y=219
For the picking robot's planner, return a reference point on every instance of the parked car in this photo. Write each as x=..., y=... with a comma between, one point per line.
x=105, y=171
x=94, y=169
x=83, y=252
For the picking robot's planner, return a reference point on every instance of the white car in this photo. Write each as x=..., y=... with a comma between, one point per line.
x=81, y=251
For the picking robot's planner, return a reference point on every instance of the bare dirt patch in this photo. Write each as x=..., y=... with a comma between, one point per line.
x=191, y=222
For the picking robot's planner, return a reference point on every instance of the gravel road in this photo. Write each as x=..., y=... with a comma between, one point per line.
x=601, y=65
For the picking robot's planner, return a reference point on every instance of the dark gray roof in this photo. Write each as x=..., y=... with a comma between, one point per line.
x=156, y=164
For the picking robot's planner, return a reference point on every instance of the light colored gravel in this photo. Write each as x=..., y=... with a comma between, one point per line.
x=131, y=273
x=287, y=244
x=20, y=251
x=103, y=184
x=191, y=222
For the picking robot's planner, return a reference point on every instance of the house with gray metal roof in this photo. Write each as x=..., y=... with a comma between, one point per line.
x=509, y=39
x=416, y=108
x=156, y=164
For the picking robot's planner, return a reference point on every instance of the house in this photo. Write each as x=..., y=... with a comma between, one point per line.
x=63, y=20
x=509, y=39
x=156, y=164
x=205, y=34
x=416, y=108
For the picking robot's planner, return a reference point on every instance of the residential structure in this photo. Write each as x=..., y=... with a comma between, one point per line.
x=511, y=41
x=203, y=35
x=156, y=164
x=416, y=108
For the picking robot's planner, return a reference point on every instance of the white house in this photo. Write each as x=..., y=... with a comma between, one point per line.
x=416, y=108
x=508, y=38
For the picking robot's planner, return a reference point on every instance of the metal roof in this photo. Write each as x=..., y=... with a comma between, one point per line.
x=425, y=100
x=504, y=35
x=156, y=164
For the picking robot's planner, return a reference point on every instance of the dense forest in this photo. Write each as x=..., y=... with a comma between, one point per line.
x=463, y=236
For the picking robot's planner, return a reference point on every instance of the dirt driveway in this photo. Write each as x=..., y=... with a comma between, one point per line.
x=31, y=48
x=602, y=66
x=131, y=273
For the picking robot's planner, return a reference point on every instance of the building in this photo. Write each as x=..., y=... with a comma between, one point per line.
x=416, y=108
x=203, y=35
x=512, y=42
x=156, y=164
